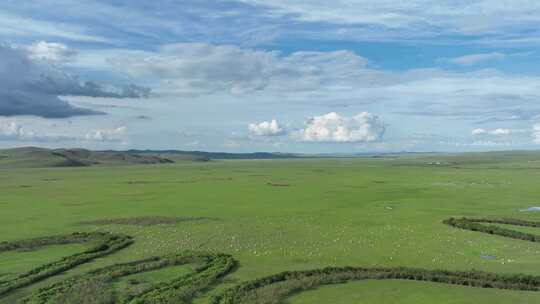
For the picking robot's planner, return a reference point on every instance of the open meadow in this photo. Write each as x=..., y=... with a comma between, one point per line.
x=234, y=221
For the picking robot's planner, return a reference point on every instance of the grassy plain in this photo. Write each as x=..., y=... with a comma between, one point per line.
x=277, y=215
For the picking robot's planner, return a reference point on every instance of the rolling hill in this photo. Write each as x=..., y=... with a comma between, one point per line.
x=35, y=157
x=32, y=157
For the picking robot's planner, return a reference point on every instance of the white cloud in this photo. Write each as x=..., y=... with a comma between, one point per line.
x=414, y=17
x=13, y=130
x=266, y=128
x=17, y=26
x=443, y=20
x=331, y=127
x=473, y=59
x=488, y=143
x=536, y=133
x=52, y=52
x=501, y=131
x=242, y=78
x=116, y=134
x=200, y=68
x=496, y=132
x=478, y=132
x=10, y=130
x=40, y=131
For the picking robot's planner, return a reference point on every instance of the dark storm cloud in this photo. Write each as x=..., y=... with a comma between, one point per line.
x=33, y=87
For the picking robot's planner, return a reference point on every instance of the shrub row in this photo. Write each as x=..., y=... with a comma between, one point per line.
x=178, y=290
x=288, y=283
x=275, y=288
x=479, y=225
x=106, y=244
x=271, y=289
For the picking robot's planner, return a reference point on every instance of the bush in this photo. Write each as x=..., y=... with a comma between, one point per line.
x=179, y=290
x=107, y=244
x=91, y=288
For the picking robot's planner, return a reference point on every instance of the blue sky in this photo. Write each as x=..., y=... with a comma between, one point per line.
x=347, y=76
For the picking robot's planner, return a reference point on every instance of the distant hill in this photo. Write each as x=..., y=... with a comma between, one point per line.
x=211, y=155
x=33, y=157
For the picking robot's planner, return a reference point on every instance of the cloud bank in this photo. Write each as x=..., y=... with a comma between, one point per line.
x=475, y=21
x=201, y=68
x=413, y=19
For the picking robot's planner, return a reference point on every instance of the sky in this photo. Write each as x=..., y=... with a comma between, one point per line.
x=345, y=76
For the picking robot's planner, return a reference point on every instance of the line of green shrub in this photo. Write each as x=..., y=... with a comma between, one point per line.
x=179, y=290
x=271, y=289
x=479, y=225
x=275, y=288
x=297, y=281
x=106, y=244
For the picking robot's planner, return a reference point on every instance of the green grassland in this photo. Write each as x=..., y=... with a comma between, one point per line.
x=285, y=215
